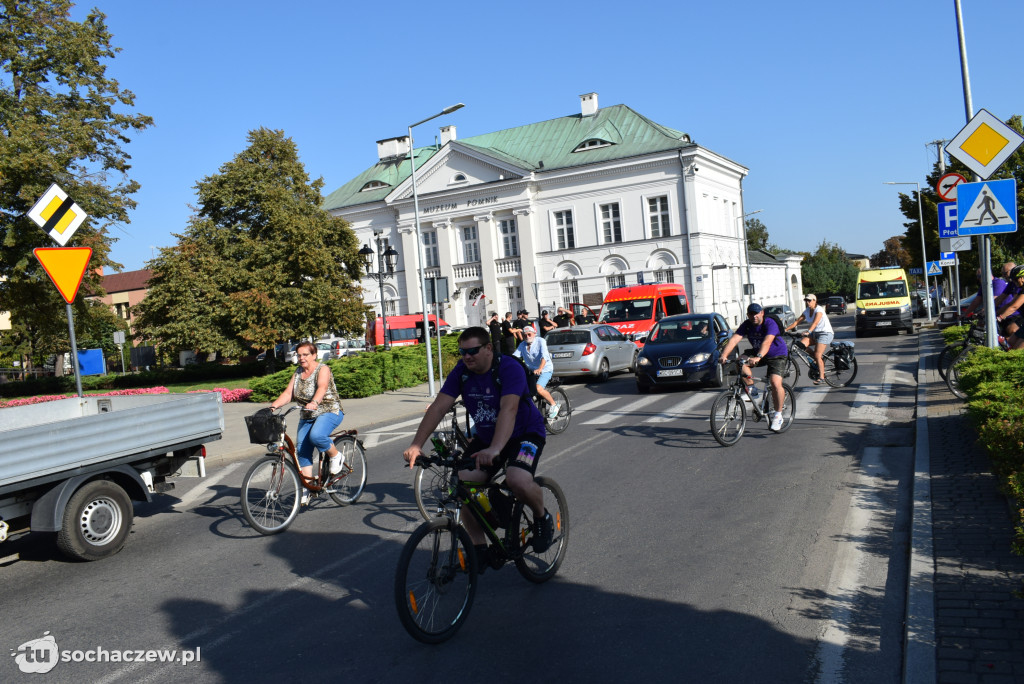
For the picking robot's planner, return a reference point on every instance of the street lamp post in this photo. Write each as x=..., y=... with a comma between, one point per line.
x=924, y=255
x=386, y=260
x=420, y=257
x=746, y=253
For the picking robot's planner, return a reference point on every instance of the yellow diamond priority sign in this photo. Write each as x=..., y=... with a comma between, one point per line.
x=57, y=214
x=984, y=144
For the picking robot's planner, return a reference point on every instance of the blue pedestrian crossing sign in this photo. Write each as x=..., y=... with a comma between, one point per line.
x=986, y=207
x=934, y=268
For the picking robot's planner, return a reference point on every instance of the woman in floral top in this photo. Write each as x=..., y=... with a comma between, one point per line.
x=313, y=389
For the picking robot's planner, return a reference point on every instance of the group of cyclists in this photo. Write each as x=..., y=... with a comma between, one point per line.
x=1008, y=301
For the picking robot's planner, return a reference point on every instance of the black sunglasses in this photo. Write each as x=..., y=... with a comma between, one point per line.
x=471, y=351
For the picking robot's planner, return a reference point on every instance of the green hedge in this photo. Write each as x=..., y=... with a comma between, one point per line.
x=365, y=375
x=994, y=383
x=954, y=334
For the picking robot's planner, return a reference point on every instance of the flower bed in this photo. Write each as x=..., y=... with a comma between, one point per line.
x=227, y=395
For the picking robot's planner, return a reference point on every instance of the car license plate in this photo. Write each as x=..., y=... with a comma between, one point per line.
x=561, y=355
x=673, y=371
x=884, y=323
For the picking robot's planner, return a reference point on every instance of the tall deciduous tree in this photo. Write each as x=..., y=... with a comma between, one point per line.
x=757, y=234
x=260, y=261
x=64, y=121
x=892, y=254
x=829, y=271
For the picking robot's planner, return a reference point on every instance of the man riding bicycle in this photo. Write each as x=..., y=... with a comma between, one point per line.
x=534, y=352
x=768, y=348
x=509, y=429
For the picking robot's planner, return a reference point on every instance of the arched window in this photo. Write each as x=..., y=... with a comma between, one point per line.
x=591, y=144
x=374, y=185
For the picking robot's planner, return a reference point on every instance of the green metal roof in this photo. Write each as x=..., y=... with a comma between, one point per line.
x=546, y=146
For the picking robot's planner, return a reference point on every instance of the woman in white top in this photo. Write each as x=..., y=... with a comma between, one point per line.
x=820, y=331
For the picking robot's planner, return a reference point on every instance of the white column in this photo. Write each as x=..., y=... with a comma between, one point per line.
x=528, y=241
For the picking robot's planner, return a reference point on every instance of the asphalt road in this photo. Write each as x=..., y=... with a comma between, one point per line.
x=779, y=559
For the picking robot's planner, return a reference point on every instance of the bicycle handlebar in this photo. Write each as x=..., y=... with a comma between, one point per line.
x=452, y=460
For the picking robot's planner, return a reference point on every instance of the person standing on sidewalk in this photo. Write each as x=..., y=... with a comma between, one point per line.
x=313, y=390
x=494, y=326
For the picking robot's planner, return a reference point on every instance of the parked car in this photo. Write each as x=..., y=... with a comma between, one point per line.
x=683, y=349
x=590, y=350
x=917, y=303
x=340, y=348
x=784, y=313
x=835, y=305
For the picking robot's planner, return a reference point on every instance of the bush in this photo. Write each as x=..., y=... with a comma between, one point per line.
x=954, y=334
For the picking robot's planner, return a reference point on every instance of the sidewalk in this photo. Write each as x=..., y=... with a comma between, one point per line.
x=360, y=414
x=961, y=564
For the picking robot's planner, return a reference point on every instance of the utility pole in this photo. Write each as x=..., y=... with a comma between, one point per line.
x=938, y=151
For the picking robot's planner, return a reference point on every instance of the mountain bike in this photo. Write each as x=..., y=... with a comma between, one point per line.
x=437, y=573
x=975, y=336
x=272, y=487
x=729, y=412
x=559, y=423
x=430, y=483
x=839, y=359
x=953, y=369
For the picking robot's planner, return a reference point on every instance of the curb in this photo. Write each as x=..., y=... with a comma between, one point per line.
x=919, y=664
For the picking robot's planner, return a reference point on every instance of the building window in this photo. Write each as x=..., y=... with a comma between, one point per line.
x=617, y=280
x=374, y=185
x=570, y=292
x=611, y=223
x=664, y=276
x=390, y=308
x=514, y=296
x=430, y=248
x=470, y=245
x=591, y=144
x=509, y=237
x=565, y=233
x=121, y=310
x=459, y=178
x=657, y=210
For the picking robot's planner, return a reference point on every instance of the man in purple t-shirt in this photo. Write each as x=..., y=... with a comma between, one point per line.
x=509, y=429
x=768, y=348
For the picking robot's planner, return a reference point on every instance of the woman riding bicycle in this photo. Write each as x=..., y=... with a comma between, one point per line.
x=509, y=429
x=820, y=331
x=534, y=352
x=314, y=391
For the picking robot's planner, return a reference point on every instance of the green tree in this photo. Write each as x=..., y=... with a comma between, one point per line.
x=63, y=121
x=260, y=261
x=892, y=254
x=829, y=271
x=757, y=234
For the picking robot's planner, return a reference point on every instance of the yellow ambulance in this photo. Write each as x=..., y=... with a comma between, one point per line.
x=883, y=301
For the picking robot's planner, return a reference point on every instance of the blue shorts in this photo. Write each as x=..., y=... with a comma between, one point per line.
x=824, y=338
x=543, y=378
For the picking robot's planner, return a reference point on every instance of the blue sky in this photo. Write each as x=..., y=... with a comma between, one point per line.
x=822, y=101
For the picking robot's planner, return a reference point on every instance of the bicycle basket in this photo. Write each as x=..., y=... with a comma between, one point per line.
x=264, y=427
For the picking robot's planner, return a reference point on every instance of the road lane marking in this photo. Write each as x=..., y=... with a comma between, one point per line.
x=686, y=408
x=807, y=401
x=205, y=487
x=626, y=410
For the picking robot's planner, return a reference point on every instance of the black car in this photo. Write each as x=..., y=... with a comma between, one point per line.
x=835, y=305
x=682, y=349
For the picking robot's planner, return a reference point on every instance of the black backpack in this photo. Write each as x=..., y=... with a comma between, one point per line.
x=778, y=322
x=531, y=379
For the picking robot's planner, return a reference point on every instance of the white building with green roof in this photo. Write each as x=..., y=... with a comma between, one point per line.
x=557, y=212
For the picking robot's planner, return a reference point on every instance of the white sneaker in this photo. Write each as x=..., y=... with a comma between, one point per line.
x=304, y=499
x=336, y=462
x=553, y=411
x=776, y=422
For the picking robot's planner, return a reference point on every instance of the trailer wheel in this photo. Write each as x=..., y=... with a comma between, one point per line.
x=96, y=522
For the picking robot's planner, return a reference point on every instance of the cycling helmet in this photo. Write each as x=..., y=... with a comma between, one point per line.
x=1017, y=272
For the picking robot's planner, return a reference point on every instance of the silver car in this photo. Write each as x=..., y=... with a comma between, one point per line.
x=590, y=350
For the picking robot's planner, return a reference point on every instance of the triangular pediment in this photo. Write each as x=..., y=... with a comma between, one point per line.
x=455, y=167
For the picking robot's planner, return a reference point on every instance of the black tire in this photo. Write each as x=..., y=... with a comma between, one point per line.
x=539, y=567
x=792, y=372
x=857, y=332
x=836, y=377
x=728, y=418
x=270, y=495
x=632, y=365
x=953, y=375
x=347, y=486
x=96, y=521
x=430, y=488
x=435, y=581
x=557, y=426
x=602, y=371
x=788, y=408
x=642, y=387
x=946, y=357
x=718, y=379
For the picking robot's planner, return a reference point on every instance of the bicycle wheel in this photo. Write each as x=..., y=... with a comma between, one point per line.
x=435, y=581
x=788, y=407
x=270, y=495
x=953, y=374
x=430, y=487
x=835, y=376
x=792, y=370
x=949, y=353
x=558, y=424
x=539, y=567
x=347, y=486
x=728, y=418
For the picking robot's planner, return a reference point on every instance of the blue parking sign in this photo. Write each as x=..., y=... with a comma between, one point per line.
x=947, y=219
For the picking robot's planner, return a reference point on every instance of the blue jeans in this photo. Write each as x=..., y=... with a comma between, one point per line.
x=316, y=433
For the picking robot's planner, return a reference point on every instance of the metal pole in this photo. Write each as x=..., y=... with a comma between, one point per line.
x=924, y=256
x=437, y=312
x=746, y=255
x=420, y=255
x=74, y=351
x=381, y=277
